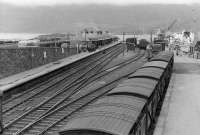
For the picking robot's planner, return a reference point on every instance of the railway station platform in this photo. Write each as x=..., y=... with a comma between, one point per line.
x=181, y=107
x=23, y=77
x=20, y=78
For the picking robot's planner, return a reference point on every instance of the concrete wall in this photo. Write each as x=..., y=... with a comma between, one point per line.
x=15, y=60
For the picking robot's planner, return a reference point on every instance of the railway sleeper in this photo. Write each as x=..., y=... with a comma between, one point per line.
x=44, y=122
x=50, y=119
x=29, y=119
x=37, y=112
x=32, y=115
x=13, y=129
x=33, y=132
x=38, y=127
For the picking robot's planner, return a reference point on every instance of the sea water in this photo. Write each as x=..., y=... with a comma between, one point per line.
x=18, y=36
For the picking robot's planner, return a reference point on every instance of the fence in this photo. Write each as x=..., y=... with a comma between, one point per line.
x=15, y=60
x=1, y=119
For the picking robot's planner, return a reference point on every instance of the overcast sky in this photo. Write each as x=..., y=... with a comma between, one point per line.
x=51, y=16
x=114, y=2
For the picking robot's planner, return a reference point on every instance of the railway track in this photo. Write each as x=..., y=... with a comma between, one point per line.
x=56, y=78
x=51, y=81
x=33, y=98
x=66, y=107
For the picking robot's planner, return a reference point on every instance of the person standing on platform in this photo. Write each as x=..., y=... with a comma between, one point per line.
x=177, y=48
x=149, y=49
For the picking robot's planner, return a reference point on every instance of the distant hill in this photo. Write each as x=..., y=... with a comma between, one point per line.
x=114, y=18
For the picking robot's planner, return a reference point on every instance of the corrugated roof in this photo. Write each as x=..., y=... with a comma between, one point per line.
x=154, y=73
x=111, y=114
x=137, y=91
x=142, y=82
x=99, y=124
x=163, y=56
x=159, y=64
x=120, y=99
x=166, y=53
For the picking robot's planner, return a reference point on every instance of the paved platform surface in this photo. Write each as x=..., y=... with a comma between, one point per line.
x=180, y=114
x=17, y=79
x=22, y=77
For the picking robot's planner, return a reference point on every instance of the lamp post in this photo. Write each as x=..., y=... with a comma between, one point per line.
x=86, y=39
x=151, y=37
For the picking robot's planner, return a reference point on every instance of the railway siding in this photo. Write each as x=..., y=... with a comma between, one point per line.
x=20, y=82
x=79, y=100
x=60, y=93
x=106, y=117
x=50, y=112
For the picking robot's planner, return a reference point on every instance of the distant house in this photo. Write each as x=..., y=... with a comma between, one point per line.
x=184, y=40
x=184, y=37
x=55, y=39
x=28, y=43
x=93, y=31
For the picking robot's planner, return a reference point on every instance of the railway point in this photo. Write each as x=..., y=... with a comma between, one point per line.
x=86, y=67
x=180, y=103
x=180, y=111
x=12, y=81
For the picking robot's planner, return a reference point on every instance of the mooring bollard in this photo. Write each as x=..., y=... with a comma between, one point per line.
x=1, y=117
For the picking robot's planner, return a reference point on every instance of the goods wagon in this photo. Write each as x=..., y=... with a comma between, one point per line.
x=157, y=48
x=143, y=44
x=128, y=109
x=131, y=43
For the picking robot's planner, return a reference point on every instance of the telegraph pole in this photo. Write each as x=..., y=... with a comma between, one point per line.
x=85, y=40
x=123, y=35
x=123, y=43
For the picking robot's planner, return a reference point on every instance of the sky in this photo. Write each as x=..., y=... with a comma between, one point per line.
x=55, y=16
x=112, y=2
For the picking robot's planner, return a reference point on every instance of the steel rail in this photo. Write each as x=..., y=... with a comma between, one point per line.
x=44, y=102
x=34, y=92
x=74, y=68
x=59, y=116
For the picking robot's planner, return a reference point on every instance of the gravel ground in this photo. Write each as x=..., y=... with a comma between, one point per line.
x=122, y=57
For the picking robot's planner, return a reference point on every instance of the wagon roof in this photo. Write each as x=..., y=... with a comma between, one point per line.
x=142, y=82
x=151, y=72
x=137, y=91
x=163, y=56
x=158, y=64
x=111, y=115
